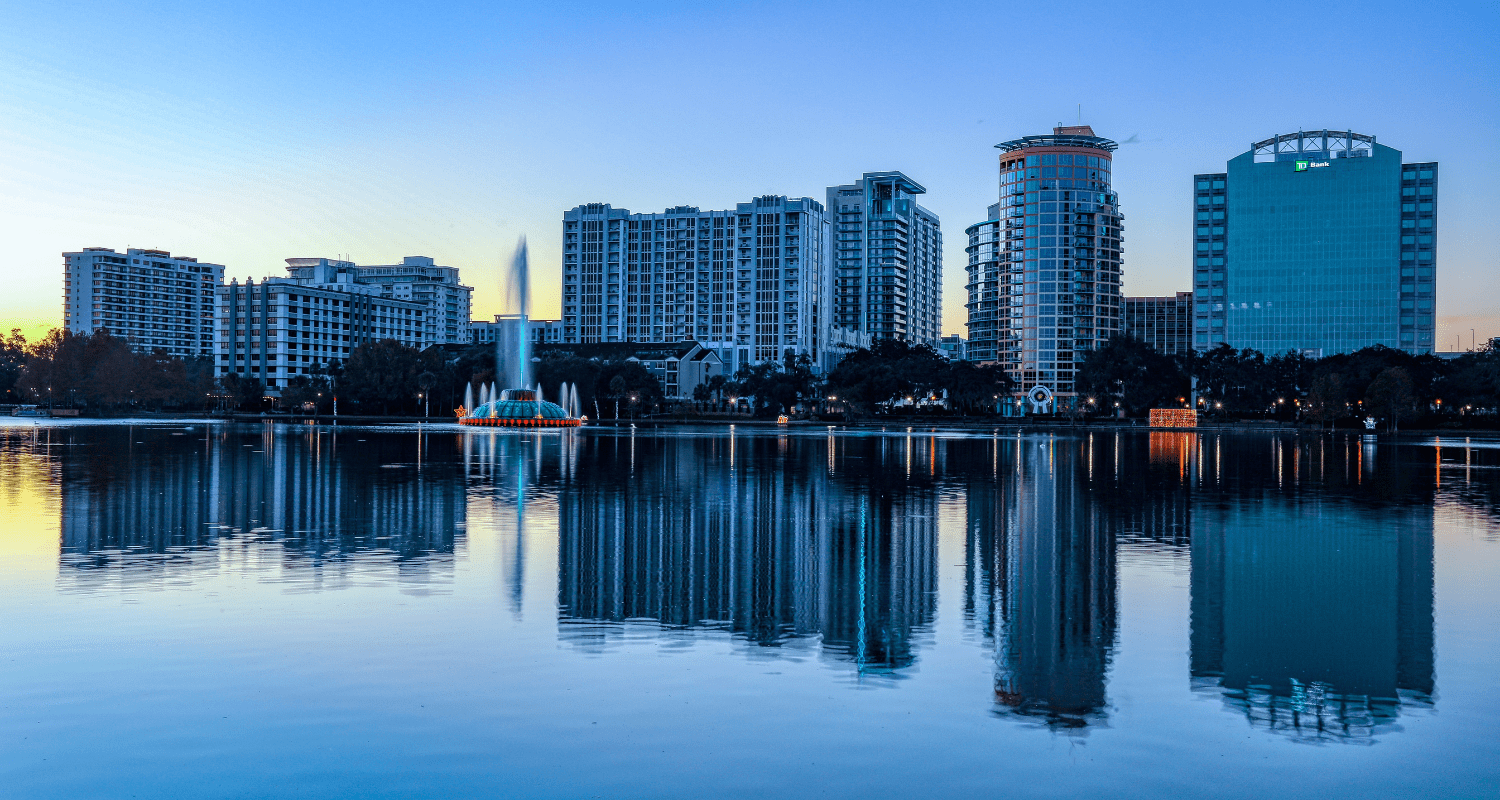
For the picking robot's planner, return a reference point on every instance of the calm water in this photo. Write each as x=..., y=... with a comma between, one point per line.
x=215, y=611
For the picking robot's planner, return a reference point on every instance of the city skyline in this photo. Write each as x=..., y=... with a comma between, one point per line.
x=452, y=134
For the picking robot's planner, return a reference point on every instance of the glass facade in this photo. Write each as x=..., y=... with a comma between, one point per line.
x=1316, y=242
x=1059, y=245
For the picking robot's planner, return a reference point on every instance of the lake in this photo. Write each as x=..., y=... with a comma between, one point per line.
x=227, y=611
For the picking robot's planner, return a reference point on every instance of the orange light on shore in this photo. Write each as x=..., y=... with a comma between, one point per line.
x=1174, y=418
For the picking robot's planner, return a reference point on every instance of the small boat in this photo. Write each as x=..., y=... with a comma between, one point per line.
x=30, y=411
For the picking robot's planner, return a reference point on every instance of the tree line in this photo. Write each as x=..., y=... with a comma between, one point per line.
x=1391, y=385
x=101, y=373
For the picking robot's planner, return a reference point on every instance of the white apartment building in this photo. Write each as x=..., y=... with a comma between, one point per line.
x=749, y=284
x=281, y=328
x=150, y=298
x=416, y=278
x=888, y=260
x=541, y=331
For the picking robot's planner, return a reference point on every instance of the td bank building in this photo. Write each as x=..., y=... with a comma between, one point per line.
x=1319, y=242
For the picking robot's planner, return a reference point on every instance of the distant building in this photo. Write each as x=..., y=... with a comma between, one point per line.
x=988, y=287
x=416, y=278
x=1319, y=242
x=281, y=328
x=842, y=342
x=888, y=251
x=746, y=283
x=1057, y=275
x=150, y=298
x=679, y=366
x=1165, y=323
x=541, y=331
x=953, y=348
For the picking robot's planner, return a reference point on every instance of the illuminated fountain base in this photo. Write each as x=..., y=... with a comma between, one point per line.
x=519, y=408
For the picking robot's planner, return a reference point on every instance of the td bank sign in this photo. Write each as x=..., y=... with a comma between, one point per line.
x=1303, y=166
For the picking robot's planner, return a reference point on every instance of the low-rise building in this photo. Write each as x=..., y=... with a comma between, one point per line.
x=679, y=366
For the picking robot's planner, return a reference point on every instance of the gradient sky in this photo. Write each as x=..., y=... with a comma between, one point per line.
x=246, y=133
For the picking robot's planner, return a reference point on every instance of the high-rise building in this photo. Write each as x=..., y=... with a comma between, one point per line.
x=1319, y=242
x=150, y=298
x=1165, y=323
x=281, y=328
x=416, y=278
x=989, y=275
x=888, y=279
x=748, y=284
x=1059, y=255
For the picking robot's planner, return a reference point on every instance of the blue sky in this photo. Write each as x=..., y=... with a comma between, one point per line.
x=250, y=132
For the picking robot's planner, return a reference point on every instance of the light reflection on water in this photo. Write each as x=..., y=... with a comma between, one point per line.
x=888, y=560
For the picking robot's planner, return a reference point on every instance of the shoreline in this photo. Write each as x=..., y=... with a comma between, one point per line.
x=1032, y=426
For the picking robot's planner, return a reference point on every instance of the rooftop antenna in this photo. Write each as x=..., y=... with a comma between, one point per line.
x=1080, y=113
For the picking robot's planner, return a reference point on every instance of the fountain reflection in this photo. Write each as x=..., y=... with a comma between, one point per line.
x=775, y=545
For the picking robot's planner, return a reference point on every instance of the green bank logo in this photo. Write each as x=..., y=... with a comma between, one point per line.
x=1301, y=166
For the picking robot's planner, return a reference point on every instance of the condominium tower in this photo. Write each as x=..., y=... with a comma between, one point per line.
x=888, y=251
x=1052, y=268
x=1319, y=242
x=150, y=298
x=747, y=283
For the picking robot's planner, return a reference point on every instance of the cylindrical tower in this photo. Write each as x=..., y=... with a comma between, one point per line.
x=1060, y=234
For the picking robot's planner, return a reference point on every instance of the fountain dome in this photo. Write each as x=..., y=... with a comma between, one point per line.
x=520, y=408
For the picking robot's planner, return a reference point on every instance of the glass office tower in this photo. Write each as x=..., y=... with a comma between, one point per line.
x=1061, y=239
x=1320, y=242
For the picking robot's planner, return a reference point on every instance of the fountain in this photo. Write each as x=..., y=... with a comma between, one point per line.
x=518, y=407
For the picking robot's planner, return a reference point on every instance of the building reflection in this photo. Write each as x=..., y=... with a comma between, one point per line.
x=776, y=540
x=1041, y=580
x=148, y=500
x=1314, y=618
